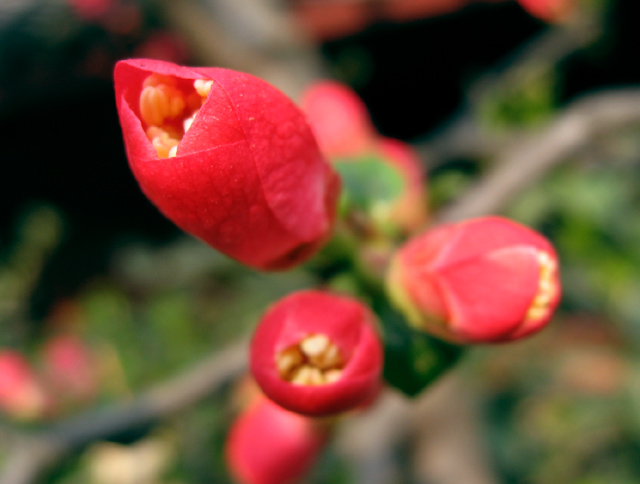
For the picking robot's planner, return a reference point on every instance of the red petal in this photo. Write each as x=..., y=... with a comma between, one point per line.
x=476, y=237
x=489, y=297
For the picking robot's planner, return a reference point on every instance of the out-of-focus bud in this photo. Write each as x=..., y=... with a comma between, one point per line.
x=21, y=395
x=339, y=119
x=549, y=10
x=414, y=9
x=228, y=158
x=317, y=353
x=70, y=368
x=478, y=281
x=409, y=211
x=270, y=445
x=90, y=10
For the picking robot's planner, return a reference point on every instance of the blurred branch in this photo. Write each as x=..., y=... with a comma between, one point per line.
x=256, y=36
x=443, y=427
x=31, y=455
x=525, y=161
x=462, y=135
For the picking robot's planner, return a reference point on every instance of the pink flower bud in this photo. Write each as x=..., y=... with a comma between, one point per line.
x=549, y=10
x=228, y=158
x=479, y=281
x=21, y=395
x=70, y=368
x=317, y=353
x=409, y=211
x=338, y=118
x=270, y=445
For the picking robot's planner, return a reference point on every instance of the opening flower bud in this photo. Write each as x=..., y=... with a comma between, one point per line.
x=270, y=445
x=228, y=158
x=482, y=280
x=317, y=353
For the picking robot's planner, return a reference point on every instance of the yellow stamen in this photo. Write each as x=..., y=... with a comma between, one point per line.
x=163, y=140
x=160, y=103
x=546, y=288
x=315, y=360
x=202, y=86
x=168, y=110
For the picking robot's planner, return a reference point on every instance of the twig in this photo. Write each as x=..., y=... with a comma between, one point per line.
x=462, y=135
x=526, y=161
x=32, y=455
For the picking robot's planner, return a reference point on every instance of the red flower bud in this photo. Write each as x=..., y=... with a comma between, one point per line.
x=228, y=158
x=482, y=280
x=338, y=118
x=317, y=353
x=270, y=445
x=21, y=395
x=549, y=10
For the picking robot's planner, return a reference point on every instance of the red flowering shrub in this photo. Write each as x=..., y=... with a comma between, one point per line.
x=317, y=353
x=482, y=280
x=228, y=158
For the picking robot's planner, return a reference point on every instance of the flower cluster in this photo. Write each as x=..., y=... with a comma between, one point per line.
x=234, y=162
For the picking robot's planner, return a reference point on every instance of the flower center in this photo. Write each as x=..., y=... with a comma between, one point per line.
x=168, y=110
x=547, y=288
x=315, y=360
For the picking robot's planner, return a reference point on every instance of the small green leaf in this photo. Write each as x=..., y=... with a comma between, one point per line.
x=413, y=359
x=369, y=181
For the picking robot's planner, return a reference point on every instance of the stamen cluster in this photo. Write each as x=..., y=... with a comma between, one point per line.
x=313, y=361
x=168, y=111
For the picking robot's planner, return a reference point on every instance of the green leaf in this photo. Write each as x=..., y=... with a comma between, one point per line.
x=413, y=359
x=368, y=181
